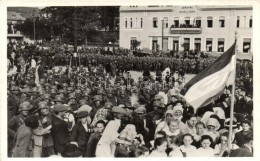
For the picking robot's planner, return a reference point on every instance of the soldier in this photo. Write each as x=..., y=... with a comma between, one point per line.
x=15, y=122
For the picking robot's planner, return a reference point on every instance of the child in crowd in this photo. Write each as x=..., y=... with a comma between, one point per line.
x=160, y=145
x=206, y=149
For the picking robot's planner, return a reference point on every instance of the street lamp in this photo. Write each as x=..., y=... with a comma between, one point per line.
x=162, y=32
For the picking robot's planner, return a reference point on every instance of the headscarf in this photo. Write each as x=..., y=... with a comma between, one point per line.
x=127, y=135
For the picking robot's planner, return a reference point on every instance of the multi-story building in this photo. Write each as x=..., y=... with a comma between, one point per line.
x=205, y=28
x=14, y=18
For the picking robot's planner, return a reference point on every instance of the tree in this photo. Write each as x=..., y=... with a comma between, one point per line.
x=135, y=44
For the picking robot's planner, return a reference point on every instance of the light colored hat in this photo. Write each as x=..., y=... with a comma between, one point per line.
x=140, y=109
x=177, y=107
x=85, y=108
x=118, y=109
x=213, y=122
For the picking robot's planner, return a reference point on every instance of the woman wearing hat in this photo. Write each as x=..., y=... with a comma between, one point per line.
x=212, y=126
x=162, y=125
x=125, y=142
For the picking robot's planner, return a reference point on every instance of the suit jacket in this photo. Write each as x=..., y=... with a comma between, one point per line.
x=243, y=151
x=80, y=135
x=60, y=134
x=24, y=142
x=92, y=144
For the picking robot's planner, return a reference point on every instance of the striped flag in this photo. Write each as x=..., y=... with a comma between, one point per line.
x=209, y=84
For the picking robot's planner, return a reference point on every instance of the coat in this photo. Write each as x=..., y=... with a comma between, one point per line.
x=24, y=142
x=80, y=135
x=243, y=151
x=92, y=144
x=60, y=134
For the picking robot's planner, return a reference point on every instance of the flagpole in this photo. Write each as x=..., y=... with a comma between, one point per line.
x=232, y=107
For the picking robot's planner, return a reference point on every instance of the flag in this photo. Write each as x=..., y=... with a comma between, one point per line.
x=209, y=84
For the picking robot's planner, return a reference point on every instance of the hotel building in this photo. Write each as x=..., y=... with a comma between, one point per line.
x=205, y=28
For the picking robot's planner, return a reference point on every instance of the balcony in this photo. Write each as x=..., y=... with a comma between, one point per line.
x=183, y=29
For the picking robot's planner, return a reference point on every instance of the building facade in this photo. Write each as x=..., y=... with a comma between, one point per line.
x=13, y=19
x=205, y=28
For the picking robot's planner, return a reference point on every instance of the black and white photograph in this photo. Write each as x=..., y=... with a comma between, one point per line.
x=129, y=81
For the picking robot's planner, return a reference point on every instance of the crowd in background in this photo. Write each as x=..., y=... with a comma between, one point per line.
x=87, y=104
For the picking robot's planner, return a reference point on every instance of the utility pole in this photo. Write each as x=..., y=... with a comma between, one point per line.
x=162, y=33
x=75, y=30
x=33, y=25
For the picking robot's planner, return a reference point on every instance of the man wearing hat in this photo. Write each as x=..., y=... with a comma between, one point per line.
x=43, y=142
x=110, y=97
x=81, y=131
x=60, y=129
x=97, y=102
x=123, y=97
x=15, y=122
x=13, y=101
x=111, y=132
x=72, y=102
x=143, y=125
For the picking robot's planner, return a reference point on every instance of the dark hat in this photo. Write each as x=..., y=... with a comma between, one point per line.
x=97, y=98
x=109, y=91
x=71, y=150
x=25, y=106
x=43, y=105
x=118, y=109
x=82, y=114
x=58, y=98
x=72, y=96
x=60, y=108
x=227, y=123
x=46, y=96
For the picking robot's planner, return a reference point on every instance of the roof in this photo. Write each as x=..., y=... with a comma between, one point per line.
x=15, y=16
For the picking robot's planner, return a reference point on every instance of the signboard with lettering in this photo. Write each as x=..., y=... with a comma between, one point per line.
x=185, y=30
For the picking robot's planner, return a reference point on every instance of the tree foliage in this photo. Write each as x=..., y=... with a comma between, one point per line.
x=59, y=22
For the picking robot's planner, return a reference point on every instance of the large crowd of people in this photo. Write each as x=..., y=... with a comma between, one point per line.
x=87, y=104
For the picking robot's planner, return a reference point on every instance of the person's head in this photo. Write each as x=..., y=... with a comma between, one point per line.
x=206, y=141
x=173, y=124
x=31, y=121
x=187, y=139
x=44, y=108
x=160, y=144
x=168, y=115
x=100, y=126
x=160, y=134
x=212, y=124
x=224, y=138
x=200, y=127
x=192, y=120
x=246, y=125
x=60, y=110
x=83, y=116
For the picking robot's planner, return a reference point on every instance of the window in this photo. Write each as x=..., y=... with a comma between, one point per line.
x=155, y=22
x=246, y=45
x=186, y=44
x=244, y=21
x=209, y=44
x=197, y=44
x=165, y=21
x=251, y=22
x=155, y=45
x=126, y=23
x=176, y=22
x=238, y=21
x=136, y=23
x=222, y=21
x=141, y=22
x=132, y=39
x=221, y=44
x=187, y=21
x=198, y=22
x=209, y=22
x=131, y=22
